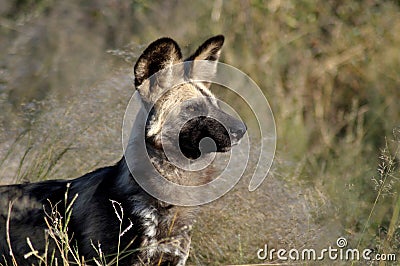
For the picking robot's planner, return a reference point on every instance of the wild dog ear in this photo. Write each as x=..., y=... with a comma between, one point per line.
x=160, y=54
x=210, y=50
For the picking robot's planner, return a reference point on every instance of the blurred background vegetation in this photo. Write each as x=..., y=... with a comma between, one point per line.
x=330, y=70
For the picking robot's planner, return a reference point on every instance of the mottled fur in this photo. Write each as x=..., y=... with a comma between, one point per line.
x=154, y=232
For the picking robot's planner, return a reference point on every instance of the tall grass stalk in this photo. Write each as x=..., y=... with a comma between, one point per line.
x=57, y=230
x=14, y=262
x=388, y=177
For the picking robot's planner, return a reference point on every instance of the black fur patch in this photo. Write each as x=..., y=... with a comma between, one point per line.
x=199, y=128
x=213, y=44
x=93, y=219
x=156, y=57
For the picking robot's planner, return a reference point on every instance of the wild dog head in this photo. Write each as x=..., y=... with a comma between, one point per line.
x=187, y=109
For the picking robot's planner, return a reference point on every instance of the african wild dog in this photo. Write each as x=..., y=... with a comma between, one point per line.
x=159, y=233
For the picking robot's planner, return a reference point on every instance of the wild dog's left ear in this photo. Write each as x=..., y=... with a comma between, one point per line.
x=159, y=55
x=210, y=50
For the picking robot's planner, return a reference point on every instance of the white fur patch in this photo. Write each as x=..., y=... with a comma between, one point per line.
x=149, y=220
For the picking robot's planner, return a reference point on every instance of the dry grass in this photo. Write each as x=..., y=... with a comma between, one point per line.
x=59, y=248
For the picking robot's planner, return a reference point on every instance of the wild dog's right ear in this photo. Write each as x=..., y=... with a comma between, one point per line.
x=210, y=51
x=160, y=54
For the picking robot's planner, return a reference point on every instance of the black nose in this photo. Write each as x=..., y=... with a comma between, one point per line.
x=238, y=131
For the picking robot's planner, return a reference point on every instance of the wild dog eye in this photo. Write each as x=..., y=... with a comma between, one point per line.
x=195, y=108
x=192, y=108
